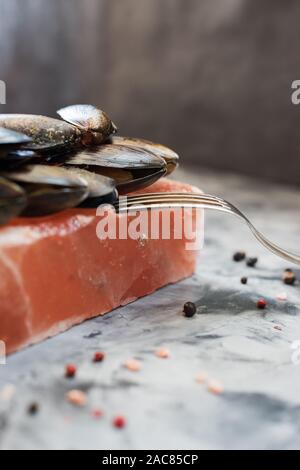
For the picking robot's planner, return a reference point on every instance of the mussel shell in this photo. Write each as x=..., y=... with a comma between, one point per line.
x=90, y=119
x=10, y=137
x=49, y=200
x=171, y=157
x=46, y=174
x=140, y=180
x=10, y=140
x=49, y=189
x=47, y=134
x=101, y=189
x=130, y=168
x=116, y=156
x=12, y=200
x=16, y=158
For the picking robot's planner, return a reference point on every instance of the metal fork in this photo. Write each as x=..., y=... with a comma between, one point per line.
x=203, y=201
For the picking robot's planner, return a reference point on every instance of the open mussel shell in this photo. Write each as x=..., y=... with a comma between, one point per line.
x=102, y=190
x=49, y=189
x=10, y=140
x=90, y=119
x=170, y=157
x=12, y=200
x=130, y=168
x=44, y=134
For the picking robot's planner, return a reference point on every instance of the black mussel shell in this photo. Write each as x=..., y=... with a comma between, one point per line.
x=130, y=168
x=10, y=140
x=116, y=156
x=102, y=190
x=17, y=158
x=128, y=181
x=90, y=119
x=12, y=200
x=140, y=180
x=171, y=158
x=47, y=200
x=47, y=135
x=49, y=189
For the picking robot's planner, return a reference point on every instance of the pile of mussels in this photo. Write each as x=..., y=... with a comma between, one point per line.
x=48, y=165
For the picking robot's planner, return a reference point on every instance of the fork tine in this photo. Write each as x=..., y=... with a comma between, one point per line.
x=183, y=195
x=171, y=198
x=168, y=200
x=180, y=196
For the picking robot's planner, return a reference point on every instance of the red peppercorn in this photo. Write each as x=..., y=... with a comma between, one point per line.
x=119, y=422
x=99, y=356
x=261, y=303
x=70, y=371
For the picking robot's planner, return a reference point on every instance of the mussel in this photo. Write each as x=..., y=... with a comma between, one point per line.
x=10, y=140
x=131, y=168
x=171, y=158
x=101, y=190
x=49, y=189
x=83, y=125
x=12, y=200
x=16, y=158
x=48, y=165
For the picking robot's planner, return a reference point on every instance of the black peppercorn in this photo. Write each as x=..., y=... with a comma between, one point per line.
x=189, y=309
x=244, y=280
x=239, y=256
x=251, y=262
x=289, y=277
x=33, y=408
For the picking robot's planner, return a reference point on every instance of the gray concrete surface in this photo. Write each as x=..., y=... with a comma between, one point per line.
x=230, y=339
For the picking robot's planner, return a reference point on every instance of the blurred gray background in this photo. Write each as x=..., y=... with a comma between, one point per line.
x=210, y=78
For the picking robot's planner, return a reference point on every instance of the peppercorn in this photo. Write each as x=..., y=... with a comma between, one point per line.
x=133, y=365
x=99, y=356
x=119, y=422
x=239, y=256
x=76, y=397
x=70, y=371
x=251, y=262
x=33, y=408
x=261, y=303
x=162, y=353
x=189, y=309
x=289, y=277
x=244, y=280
